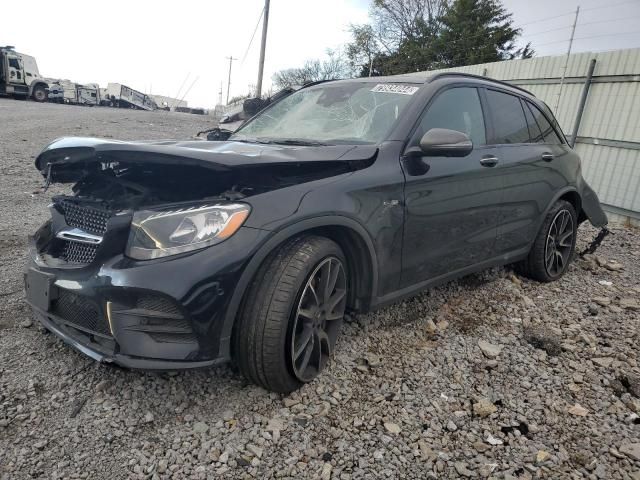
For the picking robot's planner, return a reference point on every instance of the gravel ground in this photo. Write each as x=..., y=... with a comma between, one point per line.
x=491, y=376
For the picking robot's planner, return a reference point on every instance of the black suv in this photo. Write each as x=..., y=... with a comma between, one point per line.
x=344, y=196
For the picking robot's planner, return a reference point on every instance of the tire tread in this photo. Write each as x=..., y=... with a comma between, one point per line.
x=260, y=331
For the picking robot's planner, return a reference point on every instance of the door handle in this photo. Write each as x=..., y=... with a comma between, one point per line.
x=547, y=157
x=489, y=161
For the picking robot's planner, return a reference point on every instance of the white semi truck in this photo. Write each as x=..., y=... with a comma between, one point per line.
x=19, y=76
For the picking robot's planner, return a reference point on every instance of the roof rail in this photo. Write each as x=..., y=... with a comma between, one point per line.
x=479, y=77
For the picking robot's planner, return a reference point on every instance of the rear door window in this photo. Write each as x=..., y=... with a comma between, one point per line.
x=549, y=134
x=509, y=122
x=458, y=109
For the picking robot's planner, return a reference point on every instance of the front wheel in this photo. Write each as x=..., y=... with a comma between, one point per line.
x=554, y=246
x=39, y=94
x=292, y=315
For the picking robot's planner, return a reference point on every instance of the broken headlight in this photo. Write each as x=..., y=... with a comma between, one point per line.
x=157, y=234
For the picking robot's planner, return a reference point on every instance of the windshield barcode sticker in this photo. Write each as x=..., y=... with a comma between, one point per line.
x=395, y=88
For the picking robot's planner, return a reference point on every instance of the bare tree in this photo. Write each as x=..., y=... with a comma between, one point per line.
x=406, y=26
x=333, y=67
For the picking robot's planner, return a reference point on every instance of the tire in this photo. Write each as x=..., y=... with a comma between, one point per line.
x=551, y=252
x=281, y=322
x=39, y=94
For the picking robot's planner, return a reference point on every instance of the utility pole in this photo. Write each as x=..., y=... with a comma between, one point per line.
x=566, y=63
x=263, y=46
x=231, y=59
x=220, y=93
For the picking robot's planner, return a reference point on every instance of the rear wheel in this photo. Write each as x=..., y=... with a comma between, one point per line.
x=554, y=246
x=39, y=93
x=292, y=316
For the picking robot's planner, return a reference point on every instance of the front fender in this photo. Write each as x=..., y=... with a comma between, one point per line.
x=276, y=239
x=35, y=83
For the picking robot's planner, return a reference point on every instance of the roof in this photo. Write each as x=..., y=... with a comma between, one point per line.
x=388, y=79
x=427, y=77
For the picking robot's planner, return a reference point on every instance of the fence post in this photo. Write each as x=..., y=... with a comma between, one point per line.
x=583, y=101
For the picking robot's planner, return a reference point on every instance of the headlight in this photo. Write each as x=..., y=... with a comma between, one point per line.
x=157, y=234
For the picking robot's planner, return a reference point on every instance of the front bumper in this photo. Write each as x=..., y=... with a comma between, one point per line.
x=160, y=314
x=100, y=352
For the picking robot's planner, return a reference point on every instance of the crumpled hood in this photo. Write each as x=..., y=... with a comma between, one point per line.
x=77, y=153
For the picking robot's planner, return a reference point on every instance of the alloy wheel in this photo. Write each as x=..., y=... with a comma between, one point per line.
x=559, y=244
x=318, y=319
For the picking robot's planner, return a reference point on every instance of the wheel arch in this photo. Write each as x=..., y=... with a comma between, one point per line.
x=37, y=83
x=569, y=194
x=346, y=232
x=573, y=197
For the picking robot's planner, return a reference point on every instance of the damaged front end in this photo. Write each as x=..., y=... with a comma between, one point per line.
x=164, y=195
x=122, y=270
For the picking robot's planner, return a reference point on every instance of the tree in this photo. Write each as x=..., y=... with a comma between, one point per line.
x=399, y=38
x=333, y=67
x=477, y=31
x=363, y=49
x=417, y=35
x=524, y=52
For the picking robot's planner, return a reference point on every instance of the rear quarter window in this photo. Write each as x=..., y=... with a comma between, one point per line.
x=549, y=134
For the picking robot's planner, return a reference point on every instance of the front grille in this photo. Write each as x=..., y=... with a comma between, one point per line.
x=80, y=311
x=157, y=303
x=88, y=218
x=76, y=252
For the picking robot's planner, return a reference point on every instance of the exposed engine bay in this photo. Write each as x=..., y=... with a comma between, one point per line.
x=121, y=187
x=149, y=199
x=106, y=197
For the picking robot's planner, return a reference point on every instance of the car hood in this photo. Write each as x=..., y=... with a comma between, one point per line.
x=66, y=159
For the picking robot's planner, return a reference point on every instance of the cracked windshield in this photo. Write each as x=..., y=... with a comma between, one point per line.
x=342, y=113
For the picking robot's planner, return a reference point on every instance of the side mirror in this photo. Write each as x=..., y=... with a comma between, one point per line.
x=442, y=142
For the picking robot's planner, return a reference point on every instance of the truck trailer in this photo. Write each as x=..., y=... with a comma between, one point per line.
x=19, y=76
x=121, y=96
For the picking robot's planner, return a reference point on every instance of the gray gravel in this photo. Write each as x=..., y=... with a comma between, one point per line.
x=491, y=376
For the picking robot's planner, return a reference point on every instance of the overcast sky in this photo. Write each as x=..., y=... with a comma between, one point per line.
x=159, y=46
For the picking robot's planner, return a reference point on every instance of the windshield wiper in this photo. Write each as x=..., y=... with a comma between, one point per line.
x=295, y=141
x=248, y=140
x=280, y=141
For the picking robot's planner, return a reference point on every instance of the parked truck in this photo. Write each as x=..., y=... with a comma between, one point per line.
x=19, y=76
x=65, y=91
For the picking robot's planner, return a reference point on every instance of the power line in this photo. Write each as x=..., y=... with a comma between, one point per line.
x=588, y=37
x=608, y=35
x=548, y=18
x=252, y=37
x=547, y=31
x=610, y=6
x=610, y=20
